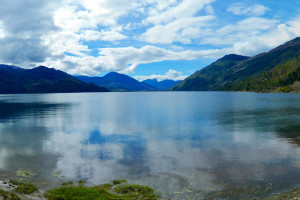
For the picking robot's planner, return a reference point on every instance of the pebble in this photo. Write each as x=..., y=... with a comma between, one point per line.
x=6, y=185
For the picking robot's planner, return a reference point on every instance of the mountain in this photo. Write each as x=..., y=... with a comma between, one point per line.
x=41, y=80
x=117, y=82
x=212, y=76
x=161, y=85
x=282, y=78
x=230, y=71
x=9, y=67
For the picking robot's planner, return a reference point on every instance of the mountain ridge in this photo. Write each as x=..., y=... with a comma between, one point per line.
x=117, y=82
x=225, y=74
x=41, y=79
x=161, y=85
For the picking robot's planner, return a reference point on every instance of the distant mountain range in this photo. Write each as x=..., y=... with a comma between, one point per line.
x=117, y=82
x=121, y=82
x=41, y=80
x=161, y=85
x=276, y=70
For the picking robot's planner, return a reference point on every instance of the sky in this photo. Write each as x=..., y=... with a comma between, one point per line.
x=163, y=39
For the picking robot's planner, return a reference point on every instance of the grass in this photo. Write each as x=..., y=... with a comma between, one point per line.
x=136, y=192
x=118, y=182
x=8, y=196
x=116, y=190
x=79, y=193
x=24, y=188
x=108, y=191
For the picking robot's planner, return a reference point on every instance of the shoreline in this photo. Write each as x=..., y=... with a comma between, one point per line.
x=7, y=186
x=293, y=194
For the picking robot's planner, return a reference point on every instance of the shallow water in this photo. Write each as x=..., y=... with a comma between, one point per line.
x=196, y=145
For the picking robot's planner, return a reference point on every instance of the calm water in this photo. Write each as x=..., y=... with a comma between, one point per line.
x=184, y=144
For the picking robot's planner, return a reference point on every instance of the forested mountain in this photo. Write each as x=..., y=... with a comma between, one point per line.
x=117, y=82
x=211, y=77
x=282, y=78
x=41, y=80
x=161, y=85
x=232, y=71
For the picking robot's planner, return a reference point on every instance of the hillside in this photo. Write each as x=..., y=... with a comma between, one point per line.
x=210, y=77
x=227, y=72
x=41, y=80
x=282, y=78
x=161, y=85
x=117, y=82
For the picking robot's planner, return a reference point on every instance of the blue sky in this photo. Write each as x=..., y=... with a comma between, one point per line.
x=163, y=39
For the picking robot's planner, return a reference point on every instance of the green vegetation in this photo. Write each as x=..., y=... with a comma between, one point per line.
x=41, y=80
x=237, y=73
x=282, y=78
x=79, y=193
x=211, y=77
x=136, y=192
x=106, y=186
x=106, y=191
x=24, y=188
x=67, y=183
x=8, y=196
x=117, y=82
x=117, y=182
x=23, y=173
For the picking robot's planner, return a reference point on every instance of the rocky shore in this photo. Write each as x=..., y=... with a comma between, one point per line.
x=289, y=195
x=7, y=191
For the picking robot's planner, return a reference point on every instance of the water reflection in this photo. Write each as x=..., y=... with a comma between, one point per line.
x=22, y=136
x=197, y=144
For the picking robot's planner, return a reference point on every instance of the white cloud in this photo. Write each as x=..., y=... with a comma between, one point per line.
x=170, y=75
x=2, y=33
x=251, y=36
x=294, y=25
x=24, y=24
x=77, y=15
x=183, y=9
x=126, y=59
x=178, y=22
x=181, y=30
x=243, y=9
x=43, y=31
x=111, y=35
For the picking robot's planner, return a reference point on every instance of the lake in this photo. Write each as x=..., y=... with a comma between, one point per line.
x=196, y=145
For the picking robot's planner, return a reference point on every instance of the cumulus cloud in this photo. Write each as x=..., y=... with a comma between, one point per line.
x=23, y=26
x=243, y=9
x=127, y=59
x=253, y=35
x=111, y=35
x=92, y=36
x=178, y=23
x=170, y=75
x=183, y=9
x=2, y=33
x=181, y=30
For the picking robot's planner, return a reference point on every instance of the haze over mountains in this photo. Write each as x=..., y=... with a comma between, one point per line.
x=121, y=82
x=117, y=82
x=161, y=85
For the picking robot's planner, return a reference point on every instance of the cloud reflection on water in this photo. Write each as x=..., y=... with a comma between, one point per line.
x=170, y=145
